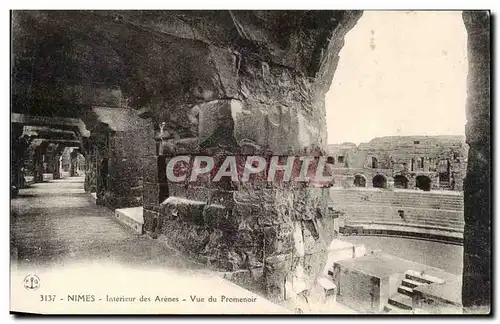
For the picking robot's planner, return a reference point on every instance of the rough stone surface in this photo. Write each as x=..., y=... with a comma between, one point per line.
x=476, y=288
x=230, y=82
x=400, y=160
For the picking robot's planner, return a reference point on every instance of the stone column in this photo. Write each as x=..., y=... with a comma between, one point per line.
x=241, y=100
x=155, y=187
x=271, y=237
x=57, y=166
x=18, y=149
x=38, y=162
x=476, y=289
x=73, y=171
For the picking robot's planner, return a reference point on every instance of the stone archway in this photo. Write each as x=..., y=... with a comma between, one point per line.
x=359, y=180
x=379, y=181
x=400, y=182
x=423, y=183
x=250, y=71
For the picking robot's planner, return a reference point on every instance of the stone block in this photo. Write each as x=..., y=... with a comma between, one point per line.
x=313, y=241
x=277, y=272
x=187, y=237
x=150, y=219
x=187, y=146
x=310, y=203
x=245, y=216
x=215, y=216
x=154, y=169
x=215, y=122
x=226, y=68
x=154, y=194
x=314, y=266
x=183, y=210
x=279, y=239
x=252, y=279
x=131, y=217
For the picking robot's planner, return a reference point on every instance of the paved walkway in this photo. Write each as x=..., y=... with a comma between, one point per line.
x=55, y=224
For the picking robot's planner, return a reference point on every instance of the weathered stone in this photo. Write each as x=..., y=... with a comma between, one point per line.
x=313, y=241
x=277, y=271
x=310, y=203
x=183, y=210
x=186, y=237
x=278, y=239
x=154, y=169
x=150, y=226
x=154, y=194
x=250, y=279
x=215, y=216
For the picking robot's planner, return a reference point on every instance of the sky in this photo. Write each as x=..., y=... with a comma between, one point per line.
x=400, y=73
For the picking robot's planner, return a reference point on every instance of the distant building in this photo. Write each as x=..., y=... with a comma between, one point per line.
x=408, y=162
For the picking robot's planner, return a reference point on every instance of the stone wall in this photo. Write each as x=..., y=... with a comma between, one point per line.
x=400, y=208
x=476, y=292
x=401, y=156
x=125, y=166
x=273, y=236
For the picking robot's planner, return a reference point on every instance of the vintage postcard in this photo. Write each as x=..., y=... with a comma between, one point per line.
x=250, y=162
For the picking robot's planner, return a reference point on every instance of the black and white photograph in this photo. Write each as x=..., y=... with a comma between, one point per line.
x=272, y=162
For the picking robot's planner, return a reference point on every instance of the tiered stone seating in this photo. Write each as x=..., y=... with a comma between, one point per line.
x=413, y=210
x=409, y=198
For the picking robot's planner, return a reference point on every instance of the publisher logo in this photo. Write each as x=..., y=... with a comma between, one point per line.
x=31, y=282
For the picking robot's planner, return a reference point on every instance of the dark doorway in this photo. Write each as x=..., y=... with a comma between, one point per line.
x=374, y=163
x=359, y=181
x=379, y=181
x=400, y=182
x=444, y=174
x=423, y=183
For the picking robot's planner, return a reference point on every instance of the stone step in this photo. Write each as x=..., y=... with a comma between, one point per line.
x=131, y=217
x=401, y=301
x=405, y=291
x=423, y=278
x=410, y=283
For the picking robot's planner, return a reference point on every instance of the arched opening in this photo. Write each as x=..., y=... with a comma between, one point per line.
x=444, y=174
x=359, y=181
x=330, y=160
x=400, y=182
x=379, y=181
x=423, y=183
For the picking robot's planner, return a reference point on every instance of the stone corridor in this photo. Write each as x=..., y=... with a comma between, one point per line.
x=139, y=89
x=55, y=223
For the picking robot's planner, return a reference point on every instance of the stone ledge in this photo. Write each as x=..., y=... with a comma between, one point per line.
x=131, y=217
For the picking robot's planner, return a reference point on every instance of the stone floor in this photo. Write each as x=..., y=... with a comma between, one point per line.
x=55, y=226
x=445, y=256
x=54, y=223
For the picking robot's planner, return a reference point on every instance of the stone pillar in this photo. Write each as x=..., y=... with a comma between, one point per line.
x=241, y=100
x=18, y=150
x=271, y=236
x=57, y=166
x=38, y=162
x=155, y=189
x=126, y=182
x=476, y=289
x=390, y=182
x=412, y=182
x=73, y=171
x=90, y=184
